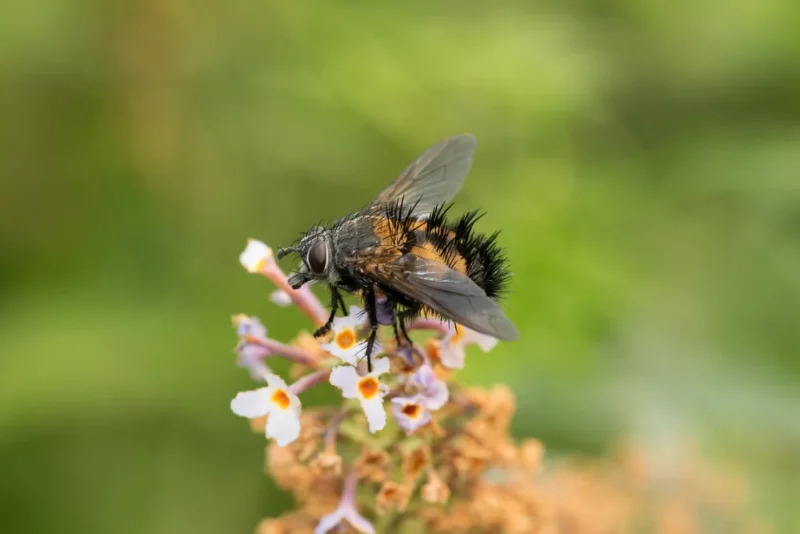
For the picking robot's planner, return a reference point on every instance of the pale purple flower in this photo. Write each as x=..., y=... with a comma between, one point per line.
x=410, y=412
x=280, y=298
x=251, y=357
x=346, y=511
x=432, y=390
x=415, y=411
x=247, y=326
x=251, y=353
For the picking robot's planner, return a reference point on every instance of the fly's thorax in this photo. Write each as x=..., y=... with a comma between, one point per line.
x=352, y=237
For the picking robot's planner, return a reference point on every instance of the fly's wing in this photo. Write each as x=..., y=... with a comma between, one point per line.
x=446, y=291
x=434, y=178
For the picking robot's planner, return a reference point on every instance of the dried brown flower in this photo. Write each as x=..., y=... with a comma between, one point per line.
x=372, y=465
x=435, y=491
x=415, y=461
x=393, y=496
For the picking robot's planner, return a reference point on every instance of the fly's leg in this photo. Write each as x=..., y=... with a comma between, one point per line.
x=402, y=317
x=372, y=314
x=397, y=326
x=336, y=301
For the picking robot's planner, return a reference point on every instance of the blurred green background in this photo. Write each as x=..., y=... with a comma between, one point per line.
x=641, y=159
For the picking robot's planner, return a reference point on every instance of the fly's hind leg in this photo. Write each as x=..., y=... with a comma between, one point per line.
x=336, y=302
x=372, y=315
x=402, y=317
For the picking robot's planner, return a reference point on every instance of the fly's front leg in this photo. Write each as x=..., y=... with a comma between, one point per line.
x=372, y=314
x=336, y=301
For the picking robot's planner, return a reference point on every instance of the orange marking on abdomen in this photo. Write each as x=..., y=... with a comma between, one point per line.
x=394, y=235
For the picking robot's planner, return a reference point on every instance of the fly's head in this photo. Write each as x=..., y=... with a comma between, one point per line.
x=316, y=254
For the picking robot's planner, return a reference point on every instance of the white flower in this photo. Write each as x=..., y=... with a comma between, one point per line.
x=281, y=298
x=345, y=345
x=283, y=407
x=255, y=256
x=367, y=389
x=451, y=348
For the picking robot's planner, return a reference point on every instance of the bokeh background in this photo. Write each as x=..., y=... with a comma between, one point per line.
x=641, y=159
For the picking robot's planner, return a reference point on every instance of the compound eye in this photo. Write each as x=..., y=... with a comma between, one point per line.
x=318, y=256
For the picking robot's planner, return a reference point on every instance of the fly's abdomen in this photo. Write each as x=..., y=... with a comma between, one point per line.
x=454, y=243
x=461, y=248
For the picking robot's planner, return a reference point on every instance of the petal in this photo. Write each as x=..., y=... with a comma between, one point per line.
x=275, y=381
x=347, y=356
x=439, y=398
x=250, y=352
x=355, y=318
x=452, y=355
x=281, y=298
x=434, y=391
x=283, y=426
x=410, y=424
x=255, y=255
x=345, y=378
x=248, y=326
x=357, y=521
x=486, y=343
x=375, y=412
x=329, y=521
x=251, y=403
x=257, y=369
x=380, y=366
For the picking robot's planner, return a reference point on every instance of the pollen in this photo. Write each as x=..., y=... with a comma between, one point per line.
x=346, y=339
x=411, y=411
x=368, y=387
x=281, y=399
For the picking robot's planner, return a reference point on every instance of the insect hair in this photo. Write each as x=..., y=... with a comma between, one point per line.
x=485, y=260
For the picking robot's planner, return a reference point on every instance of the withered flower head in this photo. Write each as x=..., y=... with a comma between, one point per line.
x=373, y=465
x=393, y=496
x=447, y=463
x=435, y=491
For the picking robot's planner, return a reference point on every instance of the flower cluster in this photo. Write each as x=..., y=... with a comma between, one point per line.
x=444, y=462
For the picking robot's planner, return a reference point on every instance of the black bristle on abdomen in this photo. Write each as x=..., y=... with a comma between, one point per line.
x=485, y=261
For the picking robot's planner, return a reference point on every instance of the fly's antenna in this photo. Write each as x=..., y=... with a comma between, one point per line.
x=282, y=252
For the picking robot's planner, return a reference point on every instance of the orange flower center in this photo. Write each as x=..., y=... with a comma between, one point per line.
x=411, y=410
x=368, y=386
x=281, y=399
x=432, y=348
x=346, y=339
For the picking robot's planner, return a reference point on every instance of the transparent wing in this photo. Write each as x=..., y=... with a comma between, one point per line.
x=434, y=178
x=446, y=291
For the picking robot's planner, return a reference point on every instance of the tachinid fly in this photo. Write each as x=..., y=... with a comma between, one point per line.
x=405, y=257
